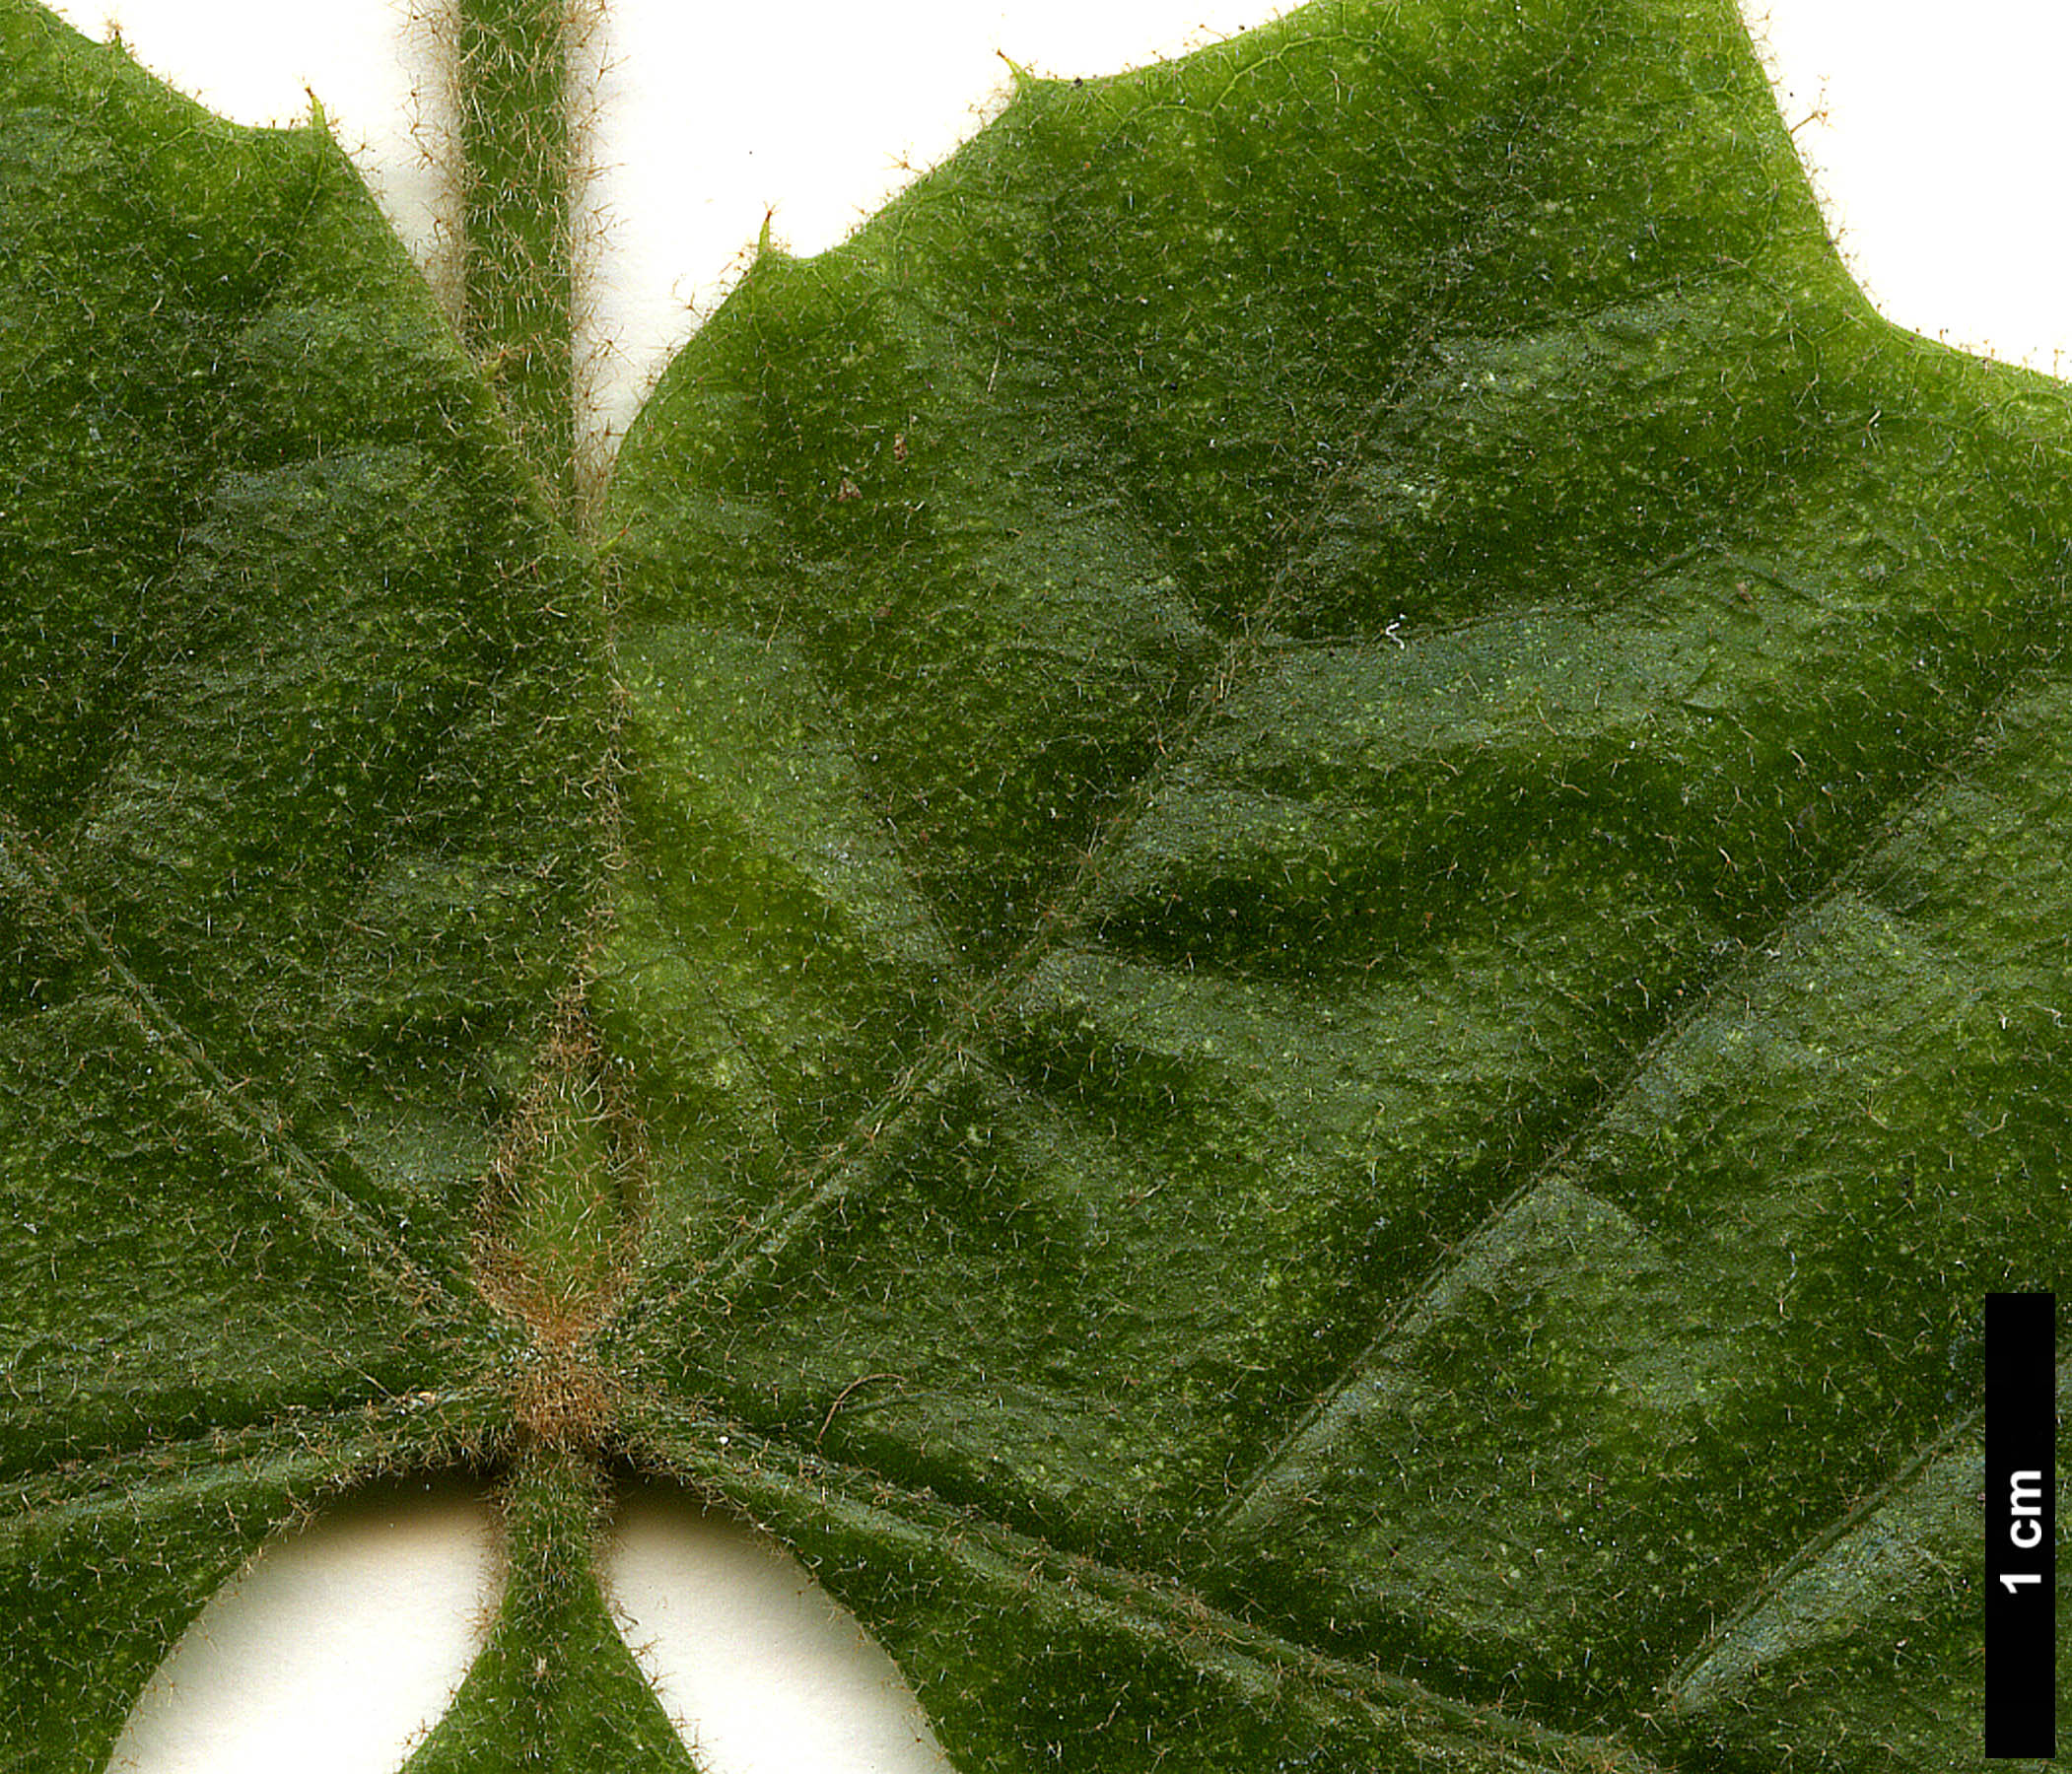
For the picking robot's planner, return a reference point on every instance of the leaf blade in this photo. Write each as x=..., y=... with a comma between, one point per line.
x=1648, y=581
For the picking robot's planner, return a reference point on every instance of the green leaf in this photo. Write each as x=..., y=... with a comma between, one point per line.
x=1281, y=936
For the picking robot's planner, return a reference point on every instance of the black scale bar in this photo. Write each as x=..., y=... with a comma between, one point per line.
x=2021, y=1525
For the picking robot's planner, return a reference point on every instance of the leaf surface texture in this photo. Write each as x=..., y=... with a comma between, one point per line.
x=1280, y=936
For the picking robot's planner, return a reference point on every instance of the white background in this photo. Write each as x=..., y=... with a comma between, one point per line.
x=1936, y=136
